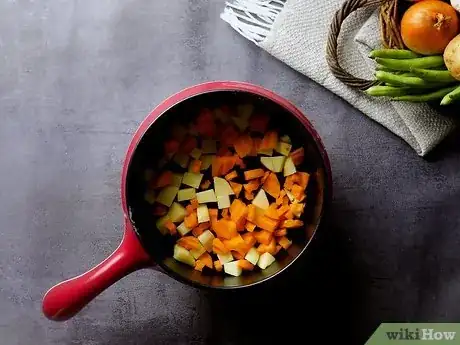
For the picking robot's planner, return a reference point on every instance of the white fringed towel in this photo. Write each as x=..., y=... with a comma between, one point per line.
x=295, y=32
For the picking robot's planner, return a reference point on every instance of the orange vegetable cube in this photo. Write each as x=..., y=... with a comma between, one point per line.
x=236, y=244
x=236, y=187
x=238, y=255
x=165, y=179
x=194, y=203
x=218, y=247
x=277, y=249
x=231, y=175
x=280, y=232
x=250, y=226
x=272, y=212
x=267, y=248
x=195, y=166
x=229, y=136
x=225, y=213
x=205, y=123
x=298, y=192
x=218, y=265
x=272, y=185
x=282, y=210
x=245, y=265
x=189, y=210
x=269, y=141
x=191, y=220
x=298, y=156
x=291, y=223
x=251, y=217
x=263, y=236
x=171, y=227
x=238, y=213
x=197, y=231
x=207, y=259
x=243, y=145
x=255, y=147
x=251, y=186
x=252, y=174
x=205, y=184
x=248, y=195
x=266, y=223
x=297, y=209
x=225, y=228
x=199, y=265
x=284, y=242
x=189, y=242
x=264, y=178
x=288, y=215
x=303, y=179
x=239, y=162
x=279, y=200
x=249, y=238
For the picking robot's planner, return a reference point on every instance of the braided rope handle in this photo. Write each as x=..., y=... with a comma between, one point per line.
x=332, y=57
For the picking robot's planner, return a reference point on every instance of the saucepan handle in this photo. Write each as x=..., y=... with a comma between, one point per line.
x=67, y=298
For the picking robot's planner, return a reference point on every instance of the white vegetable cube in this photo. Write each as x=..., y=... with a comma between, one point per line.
x=290, y=196
x=222, y=187
x=202, y=214
x=181, y=159
x=289, y=167
x=206, y=196
x=182, y=229
x=192, y=179
x=176, y=213
x=196, y=153
x=224, y=258
x=284, y=148
x=209, y=146
x=183, y=255
x=196, y=253
x=206, y=239
x=261, y=200
x=233, y=269
x=265, y=260
x=223, y=201
x=206, y=161
x=286, y=139
x=149, y=196
x=252, y=256
x=186, y=194
x=177, y=180
x=241, y=123
x=274, y=164
x=160, y=224
x=167, y=195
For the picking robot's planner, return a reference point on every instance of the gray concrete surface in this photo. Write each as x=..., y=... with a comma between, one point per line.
x=77, y=77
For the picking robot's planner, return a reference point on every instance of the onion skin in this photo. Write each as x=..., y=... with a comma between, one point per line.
x=428, y=26
x=452, y=57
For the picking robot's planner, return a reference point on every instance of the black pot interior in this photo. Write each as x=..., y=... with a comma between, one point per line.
x=149, y=152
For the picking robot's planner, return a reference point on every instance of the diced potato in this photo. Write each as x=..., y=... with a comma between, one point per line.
x=261, y=200
x=167, y=195
x=290, y=196
x=176, y=213
x=252, y=256
x=192, y=179
x=224, y=258
x=221, y=116
x=223, y=201
x=206, y=239
x=289, y=167
x=181, y=159
x=202, y=213
x=160, y=224
x=209, y=146
x=241, y=123
x=182, y=229
x=274, y=164
x=196, y=153
x=284, y=148
x=245, y=111
x=186, y=194
x=183, y=255
x=233, y=268
x=196, y=253
x=206, y=161
x=286, y=139
x=177, y=180
x=265, y=260
x=265, y=152
x=206, y=196
x=149, y=196
x=222, y=187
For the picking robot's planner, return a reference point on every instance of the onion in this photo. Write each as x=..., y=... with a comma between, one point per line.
x=428, y=26
x=452, y=57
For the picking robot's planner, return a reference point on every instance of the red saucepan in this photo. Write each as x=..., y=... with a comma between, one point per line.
x=143, y=246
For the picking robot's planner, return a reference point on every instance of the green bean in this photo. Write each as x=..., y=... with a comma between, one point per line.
x=400, y=80
x=389, y=91
x=408, y=64
x=383, y=68
x=451, y=97
x=393, y=54
x=436, y=76
x=427, y=97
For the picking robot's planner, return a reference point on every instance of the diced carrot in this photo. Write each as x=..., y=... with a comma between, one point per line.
x=194, y=203
x=277, y=249
x=165, y=179
x=171, y=227
x=213, y=212
x=264, y=178
x=188, y=144
x=171, y=146
x=266, y=223
x=272, y=185
x=289, y=182
x=285, y=200
x=236, y=187
x=255, y=147
x=189, y=242
x=250, y=226
x=288, y=215
x=243, y=145
x=245, y=265
x=205, y=123
x=160, y=210
x=267, y=248
x=225, y=213
x=249, y=238
x=238, y=255
x=207, y=259
x=218, y=247
x=195, y=166
x=199, y=265
x=205, y=184
x=231, y=175
x=251, y=213
x=272, y=212
x=263, y=236
x=298, y=192
x=297, y=209
x=298, y=156
x=225, y=228
x=191, y=220
x=229, y=136
x=238, y=213
x=252, y=174
x=228, y=163
x=259, y=122
x=269, y=141
x=284, y=242
x=189, y=209
x=280, y=232
x=202, y=227
x=236, y=244
x=292, y=223
x=252, y=186
x=224, y=152
x=216, y=166
x=248, y=195
x=239, y=162
x=303, y=179
x=282, y=210
x=218, y=265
